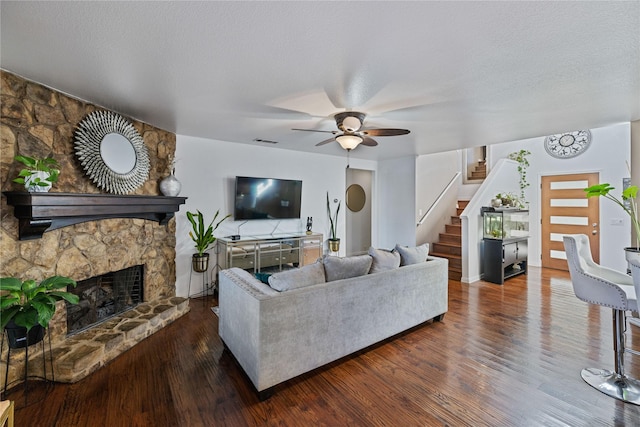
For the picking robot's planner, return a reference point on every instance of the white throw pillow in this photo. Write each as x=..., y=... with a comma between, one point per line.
x=336, y=268
x=415, y=255
x=383, y=260
x=308, y=275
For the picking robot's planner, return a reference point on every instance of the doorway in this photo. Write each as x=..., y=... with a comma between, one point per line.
x=358, y=216
x=567, y=210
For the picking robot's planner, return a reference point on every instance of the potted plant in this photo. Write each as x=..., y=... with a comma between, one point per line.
x=627, y=203
x=523, y=164
x=26, y=307
x=203, y=238
x=39, y=174
x=334, y=241
x=509, y=200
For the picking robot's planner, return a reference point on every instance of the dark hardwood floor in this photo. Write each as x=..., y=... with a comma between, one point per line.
x=503, y=356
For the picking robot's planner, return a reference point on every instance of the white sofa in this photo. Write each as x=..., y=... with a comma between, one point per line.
x=276, y=336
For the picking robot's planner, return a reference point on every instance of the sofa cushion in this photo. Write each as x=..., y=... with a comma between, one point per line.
x=415, y=255
x=383, y=260
x=336, y=268
x=308, y=275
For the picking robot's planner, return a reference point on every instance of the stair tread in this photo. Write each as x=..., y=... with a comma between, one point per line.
x=441, y=255
x=450, y=244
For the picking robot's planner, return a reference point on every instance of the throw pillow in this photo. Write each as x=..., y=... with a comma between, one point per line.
x=336, y=268
x=308, y=275
x=263, y=277
x=383, y=260
x=415, y=255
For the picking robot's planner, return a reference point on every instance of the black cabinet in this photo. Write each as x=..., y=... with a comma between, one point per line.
x=503, y=259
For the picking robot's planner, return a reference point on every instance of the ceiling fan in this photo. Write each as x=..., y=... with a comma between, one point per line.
x=351, y=134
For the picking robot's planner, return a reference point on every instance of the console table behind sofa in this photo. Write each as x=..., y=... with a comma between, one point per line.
x=255, y=253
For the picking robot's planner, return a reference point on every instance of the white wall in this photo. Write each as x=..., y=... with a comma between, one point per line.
x=207, y=170
x=608, y=154
x=433, y=174
x=396, y=184
x=358, y=224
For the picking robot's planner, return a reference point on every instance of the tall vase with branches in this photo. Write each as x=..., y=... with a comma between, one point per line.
x=334, y=241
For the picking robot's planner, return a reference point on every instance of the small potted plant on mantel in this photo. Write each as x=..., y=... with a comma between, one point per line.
x=334, y=241
x=203, y=238
x=26, y=307
x=39, y=174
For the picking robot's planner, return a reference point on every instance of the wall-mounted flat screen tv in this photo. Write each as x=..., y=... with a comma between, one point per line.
x=267, y=198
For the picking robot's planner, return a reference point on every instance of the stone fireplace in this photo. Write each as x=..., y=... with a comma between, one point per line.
x=38, y=121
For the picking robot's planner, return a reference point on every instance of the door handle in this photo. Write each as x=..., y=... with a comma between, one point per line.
x=595, y=224
x=594, y=231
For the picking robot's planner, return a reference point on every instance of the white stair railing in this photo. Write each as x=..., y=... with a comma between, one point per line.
x=437, y=200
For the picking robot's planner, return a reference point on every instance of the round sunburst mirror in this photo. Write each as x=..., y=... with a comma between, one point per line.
x=112, y=152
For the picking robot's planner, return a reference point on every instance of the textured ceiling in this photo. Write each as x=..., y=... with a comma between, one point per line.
x=457, y=74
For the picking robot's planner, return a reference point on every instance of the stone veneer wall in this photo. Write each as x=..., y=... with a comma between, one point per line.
x=38, y=121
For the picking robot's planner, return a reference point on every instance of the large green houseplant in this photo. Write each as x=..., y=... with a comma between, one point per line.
x=27, y=305
x=203, y=238
x=334, y=241
x=627, y=202
x=39, y=174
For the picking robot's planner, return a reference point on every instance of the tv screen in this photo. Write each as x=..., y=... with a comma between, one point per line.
x=267, y=198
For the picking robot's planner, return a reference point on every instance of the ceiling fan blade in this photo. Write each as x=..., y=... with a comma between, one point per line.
x=326, y=141
x=369, y=142
x=316, y=130
x=384, y=132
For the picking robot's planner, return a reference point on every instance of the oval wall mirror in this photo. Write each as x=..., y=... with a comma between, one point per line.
x=356, y=197
x=112, y=152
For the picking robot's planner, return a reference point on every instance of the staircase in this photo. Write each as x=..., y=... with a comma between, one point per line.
x=479, y=171
x=450, y=243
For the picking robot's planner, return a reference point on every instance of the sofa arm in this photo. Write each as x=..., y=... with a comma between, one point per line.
x=240, y=296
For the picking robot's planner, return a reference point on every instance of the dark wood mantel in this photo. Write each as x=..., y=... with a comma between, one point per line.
x=41, y=212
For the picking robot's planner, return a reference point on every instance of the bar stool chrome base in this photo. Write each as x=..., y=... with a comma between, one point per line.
x=612, y=384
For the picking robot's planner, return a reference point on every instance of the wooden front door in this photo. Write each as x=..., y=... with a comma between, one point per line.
x=566, y=210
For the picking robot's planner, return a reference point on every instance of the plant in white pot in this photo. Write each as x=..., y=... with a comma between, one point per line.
x=39, y=174
x=628, y=204
x=203, y=238
x=334, y=241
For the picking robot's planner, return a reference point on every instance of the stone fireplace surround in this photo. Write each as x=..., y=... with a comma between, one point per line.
x=38, y=121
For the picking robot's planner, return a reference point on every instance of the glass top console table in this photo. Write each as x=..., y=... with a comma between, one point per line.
x=273, y=252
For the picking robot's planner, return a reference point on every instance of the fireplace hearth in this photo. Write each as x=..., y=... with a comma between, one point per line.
x=105, y=296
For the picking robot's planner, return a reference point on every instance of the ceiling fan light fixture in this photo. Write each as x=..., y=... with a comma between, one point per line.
x=351, y=123
x=349, y=142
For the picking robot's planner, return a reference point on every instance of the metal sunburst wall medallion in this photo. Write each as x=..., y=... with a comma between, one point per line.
x=112, y=152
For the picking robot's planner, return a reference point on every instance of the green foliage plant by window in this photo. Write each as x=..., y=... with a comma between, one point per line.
x=627, y=201
x=523, y=164
x=203, y=237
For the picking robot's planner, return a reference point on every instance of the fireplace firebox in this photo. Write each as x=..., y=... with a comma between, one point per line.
x=104, y=296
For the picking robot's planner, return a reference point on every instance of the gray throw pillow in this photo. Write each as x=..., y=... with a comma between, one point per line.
x=336, y=268
x=415, y=255
x=383, y=260
x=308, y=275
